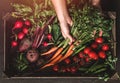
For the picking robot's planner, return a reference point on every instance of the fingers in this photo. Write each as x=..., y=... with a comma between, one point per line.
x=65, y=29
x=64, y=35
x=71, y=39
x=69, y=21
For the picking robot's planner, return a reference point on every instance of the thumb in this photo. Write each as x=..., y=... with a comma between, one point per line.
x=70, y=23
x=70, y=38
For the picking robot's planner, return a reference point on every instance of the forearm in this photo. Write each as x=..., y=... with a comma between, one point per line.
x=61, y=9
x=63, y=17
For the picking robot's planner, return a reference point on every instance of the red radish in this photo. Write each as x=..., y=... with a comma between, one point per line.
x=102, y=54
x=81, y=55
x=63, y=69
x=94, y=32
x=87, y=59
x=76, y=59
x=49, y=36
x=73, y=69
x=94, y=45
x=81, y=63
x=67, y=61
x=14, y=43
x=18, y=24
x=21, y=35
x=45, y=44
x=27, y=22
x=105, y=47
x=55, y=67
x=25, y=30
x=100, y=32
x=87, y=50
x=68, y=69
x=93, y=55
x=99, y=40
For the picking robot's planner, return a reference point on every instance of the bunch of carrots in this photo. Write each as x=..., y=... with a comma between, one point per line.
x=58, y=55
x=63, y=51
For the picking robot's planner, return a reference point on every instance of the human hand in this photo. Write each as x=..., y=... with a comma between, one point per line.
x=66, y=30
x=63, y=17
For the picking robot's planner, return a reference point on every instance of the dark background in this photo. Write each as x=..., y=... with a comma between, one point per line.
x=5, y=8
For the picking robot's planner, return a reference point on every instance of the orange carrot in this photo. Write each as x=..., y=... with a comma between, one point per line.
x=56, y=59
x=71, y=48
x=68, y=53
x=56, y=54
x=53, y=62
x=50, y=51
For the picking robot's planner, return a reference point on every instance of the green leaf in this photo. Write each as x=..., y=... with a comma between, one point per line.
x=100, y=70
x=24, y=67
x=56, y=32
x=98, y=67
x=83, y=69
x=22, y=8
x=21, y=57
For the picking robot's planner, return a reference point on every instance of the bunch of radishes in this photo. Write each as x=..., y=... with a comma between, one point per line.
x=20, y=29
x=71, y=64
x=64, y=69
x=97, y=49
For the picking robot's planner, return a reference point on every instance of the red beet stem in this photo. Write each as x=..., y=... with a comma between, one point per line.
x=39, y=33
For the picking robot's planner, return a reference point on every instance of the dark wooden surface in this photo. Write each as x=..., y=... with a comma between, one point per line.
x=5, y=8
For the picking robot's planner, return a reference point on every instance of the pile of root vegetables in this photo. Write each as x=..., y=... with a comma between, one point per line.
x=44, y=46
